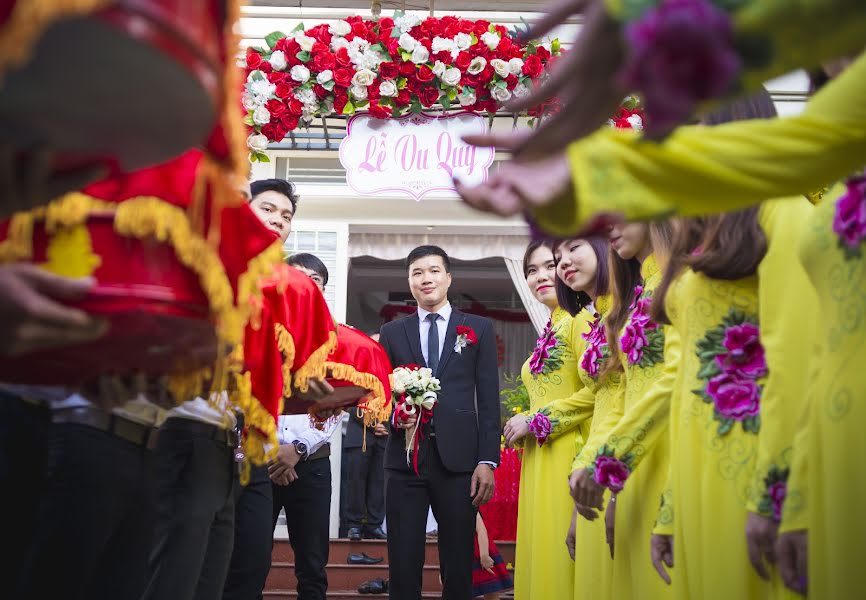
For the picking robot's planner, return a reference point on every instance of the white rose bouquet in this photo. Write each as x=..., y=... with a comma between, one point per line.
x=415, y=394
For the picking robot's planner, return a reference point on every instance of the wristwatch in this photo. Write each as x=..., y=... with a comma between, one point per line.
x=301, y=448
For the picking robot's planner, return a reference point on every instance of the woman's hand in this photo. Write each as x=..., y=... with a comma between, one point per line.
x=662, y=554
x=516, y=429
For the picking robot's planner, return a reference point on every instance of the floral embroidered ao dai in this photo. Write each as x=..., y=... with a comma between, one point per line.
x=543, y=568
x=733, y=411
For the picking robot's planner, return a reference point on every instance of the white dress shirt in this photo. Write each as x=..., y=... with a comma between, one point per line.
x=297, y=427
x=441, y=325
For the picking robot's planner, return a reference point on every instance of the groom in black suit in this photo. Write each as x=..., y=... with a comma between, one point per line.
x=460, y=446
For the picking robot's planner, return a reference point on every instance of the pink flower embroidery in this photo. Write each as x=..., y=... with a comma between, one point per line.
x=735, y=397
x=635, y=340
x=611, y=473
x=595, y=348
x=544, y=352
x=849, y=222
x=777, y=492
x=540, y=427
x=745, y=353
x=681, y=53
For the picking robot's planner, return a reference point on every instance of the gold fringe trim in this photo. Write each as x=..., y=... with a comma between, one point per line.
x=375, y=406
x=184, y=386
x=18, y=244
x=28, y=21
x=260, y=442
x=315, y=365
x=286, y=345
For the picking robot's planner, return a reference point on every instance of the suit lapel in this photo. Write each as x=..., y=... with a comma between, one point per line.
x=457, y=318
x=410, y=324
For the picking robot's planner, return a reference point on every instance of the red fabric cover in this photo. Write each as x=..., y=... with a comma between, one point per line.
x=366, y=356
x=500, y=514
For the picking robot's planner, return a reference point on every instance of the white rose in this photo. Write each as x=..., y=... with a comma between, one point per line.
x=491, y=39
x=439, y=69
x=306, y=97
x=359, y=44
x=477, y=65
x=300, y=73
x=249, y=102
x=428, y=400
x=262, y=90
x=420, y=55
x=371, y=60
x=339, y=42
x=500, y=94
x=466, y=99
x=501, y=67
x=359, y=92
x=388, y=89
x=451, y=76
x=357, y=58
x=520, y=91
x=441, y=44
x=252, y=75
x=636, y=122
x=261, y=116
x=463, y=41
x=324, y=77
x=340, y=28
x=278, y=60
x=305, y=42
x=406, y=22
x=516, y=66
x=364, y=77
x=257, y=142
x=407, y=42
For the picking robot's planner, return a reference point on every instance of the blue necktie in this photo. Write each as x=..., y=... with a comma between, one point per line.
x=433, y=343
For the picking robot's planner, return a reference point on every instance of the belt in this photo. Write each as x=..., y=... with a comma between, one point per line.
x=323, y=452
x=89, y=416
x=198, y=429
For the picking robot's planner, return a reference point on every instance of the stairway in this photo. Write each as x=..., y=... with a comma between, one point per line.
x=344, y=579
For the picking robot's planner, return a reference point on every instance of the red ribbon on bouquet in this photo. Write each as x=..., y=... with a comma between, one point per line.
x=424, y=417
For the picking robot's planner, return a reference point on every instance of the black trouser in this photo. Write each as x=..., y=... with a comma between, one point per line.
x=23, y=445
x=95, y=518
x=407, y=499
x=194, y=475
x=307, y=503
x=254, y=537
x=365, y=480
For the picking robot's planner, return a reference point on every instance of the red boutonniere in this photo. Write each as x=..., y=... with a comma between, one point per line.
x=465, y=337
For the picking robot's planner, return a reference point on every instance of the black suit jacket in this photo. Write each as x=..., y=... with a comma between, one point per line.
x=464, y=436
x=354, y=437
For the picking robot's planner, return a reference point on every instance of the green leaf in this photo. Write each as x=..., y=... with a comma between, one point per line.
x=531, y=49
x=329, y=85
x=501, y=84
x=402, y=82
x=258, y=75
x=259, y=49
x=415, y=107
x=379, y=47
x=261, y=157
x=248, y=119
x=298, y=27
x=272, y=38
x=349, y=109
x=709, y=370
x=474, y=38
x=406, y=56
x=725, y=426
x=395, y=33
x=303, y=56
x=399, y=13
x=491, y=28
x=555, y=46
x=452, y=94
x=445, y=101
x=467, y=91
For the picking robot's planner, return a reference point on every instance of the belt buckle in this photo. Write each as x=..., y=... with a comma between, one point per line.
x=239, y=453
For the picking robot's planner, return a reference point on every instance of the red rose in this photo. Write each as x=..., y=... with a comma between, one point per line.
x=505, y=45
x=389, y=70
x=481, y=27
x=486, y=75
x=385, y=34
x=284, y=90
x=403, y=97
x=511, y=81
x=276, y=77
x=343, y=77
x=466, y=26
x=532, y=66
x=254, y=59
x=451, y=31
x=342, y=56
x=431, y=26
x=414, y=86
x=272, y=132
x=542, y=53
x=340, y=101
x=319, y=47
x=470, y=80
x=321, y=92
x=276, y=108
x=373, y=92
x=462, y=61
x=353, y=19
x=429, y=96
x=265, y=67
x=282, y=44
x=407, y=69
x=320, y=33
x=392, y=45
x=378, y=111
x=443, y=57
x=324, y=61
x=424, y=74
x=290, y=122
x=386, y=23
x=359, y=29
x=295, y=107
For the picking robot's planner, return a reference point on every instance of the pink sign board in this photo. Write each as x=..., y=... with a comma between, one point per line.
x=414, y=154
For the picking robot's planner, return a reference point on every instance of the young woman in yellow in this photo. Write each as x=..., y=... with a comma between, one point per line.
x=559, y=413
x=644, y=349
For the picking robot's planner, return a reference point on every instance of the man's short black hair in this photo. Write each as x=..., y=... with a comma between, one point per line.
x=311, y=262
x=422, y=251
x=281, y=186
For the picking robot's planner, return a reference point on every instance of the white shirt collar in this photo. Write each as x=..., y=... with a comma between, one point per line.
x=444, y=312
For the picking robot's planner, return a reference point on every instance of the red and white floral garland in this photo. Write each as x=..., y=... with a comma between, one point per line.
x=388, y=67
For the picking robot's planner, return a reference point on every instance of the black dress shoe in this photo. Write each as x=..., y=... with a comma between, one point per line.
x=363, y=559
x=354, y=534
x=376, y=534
x=376, y=586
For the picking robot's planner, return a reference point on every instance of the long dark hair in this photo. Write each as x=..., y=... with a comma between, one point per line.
x=625, y=276
x=574, y=302
x=531, y=248
x=687, y=238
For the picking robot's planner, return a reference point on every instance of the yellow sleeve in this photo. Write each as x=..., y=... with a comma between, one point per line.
x=794, y=512
x=774, y=37
x=784, y=291
x=734, y=165
x=601, y=428
x=646, y=420
x=664, y=524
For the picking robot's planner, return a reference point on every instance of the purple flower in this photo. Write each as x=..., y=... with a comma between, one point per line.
x=540, y=427
x=680, y=54
x=611, y=473
x=735, y=397
x=777, y=492
x=633, y=341
x=545, y=343
x=745, y=352
x=849, y=222
x=594, y=353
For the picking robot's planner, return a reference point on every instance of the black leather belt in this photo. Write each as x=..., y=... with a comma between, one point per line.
x=229, y=437
x=323, y=452
x=90, y=416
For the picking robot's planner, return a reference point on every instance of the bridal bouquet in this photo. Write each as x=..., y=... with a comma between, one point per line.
x=415, y=393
